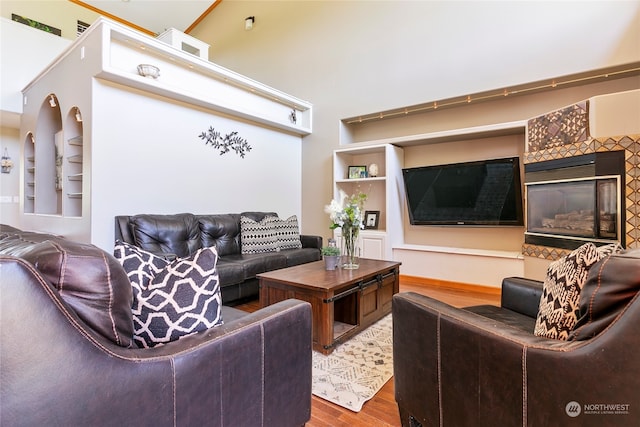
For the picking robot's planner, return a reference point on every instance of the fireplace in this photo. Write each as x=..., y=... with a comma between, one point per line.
x=574, y=200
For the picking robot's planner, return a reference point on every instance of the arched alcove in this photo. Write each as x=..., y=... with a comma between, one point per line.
x=72, y=163
x=49, y=150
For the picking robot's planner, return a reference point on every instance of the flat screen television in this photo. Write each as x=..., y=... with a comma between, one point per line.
x=484, y=192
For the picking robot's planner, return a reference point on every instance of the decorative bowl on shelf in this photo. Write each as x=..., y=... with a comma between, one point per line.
x=148, y=70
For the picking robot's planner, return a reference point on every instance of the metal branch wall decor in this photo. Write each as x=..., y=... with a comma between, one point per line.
x=225, y=144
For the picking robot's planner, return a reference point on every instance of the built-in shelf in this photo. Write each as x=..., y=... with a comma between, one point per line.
x=75, y=195
x=76, y=141
x=383, y=194
x=75, y=159
x=361, y=180
x=75, y=177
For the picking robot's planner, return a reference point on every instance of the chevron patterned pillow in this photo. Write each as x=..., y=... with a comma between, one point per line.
x=171, y=300
x=559, y=307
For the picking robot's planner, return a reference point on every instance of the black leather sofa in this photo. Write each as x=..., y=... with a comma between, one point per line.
x=183, y=234
x=483, y=365
x=67, y=357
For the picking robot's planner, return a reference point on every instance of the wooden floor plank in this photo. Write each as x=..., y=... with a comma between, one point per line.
x=382, y=410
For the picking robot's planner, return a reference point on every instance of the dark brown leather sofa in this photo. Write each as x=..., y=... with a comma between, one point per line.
x=483, y=366
x=67, y=358
x=183, y=234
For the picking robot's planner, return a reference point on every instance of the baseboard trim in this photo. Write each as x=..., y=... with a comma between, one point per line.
x=438, y=283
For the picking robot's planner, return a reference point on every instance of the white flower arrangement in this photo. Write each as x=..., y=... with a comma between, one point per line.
x=347, y=212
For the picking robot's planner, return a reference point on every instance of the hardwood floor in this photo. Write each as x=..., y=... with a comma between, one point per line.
x=381, y=410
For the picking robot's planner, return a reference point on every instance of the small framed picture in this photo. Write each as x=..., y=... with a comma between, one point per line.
x=371, y=219
x=356, y=172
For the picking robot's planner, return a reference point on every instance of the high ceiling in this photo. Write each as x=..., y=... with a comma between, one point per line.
x=155, y=16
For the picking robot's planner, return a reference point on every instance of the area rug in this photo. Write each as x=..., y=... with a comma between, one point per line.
x=355, y=371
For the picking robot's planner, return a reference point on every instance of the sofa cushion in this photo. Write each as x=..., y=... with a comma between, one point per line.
x=253, y=264
x=87, y=278
x=257, y=236
x=221, y=231
x=229, y=273
x=301, y=256
x=177, y=234
x=287, y=232
x=611, y=284
x=559, y=304
x=179, y=299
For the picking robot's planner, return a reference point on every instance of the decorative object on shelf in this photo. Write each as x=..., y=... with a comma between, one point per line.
x=371, y=219
x=346, y=214
x=356, y=172
x=59, y=157
x=293, y=117
x=148, y=70
x=7, y=163
x=331, y=255
x=230, y=141
x=78, y=115
x=373, y=170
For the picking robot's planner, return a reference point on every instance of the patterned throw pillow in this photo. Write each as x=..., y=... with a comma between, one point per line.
x=287, y=232
x=559, y=304
x=171, y=300
x=257, y=237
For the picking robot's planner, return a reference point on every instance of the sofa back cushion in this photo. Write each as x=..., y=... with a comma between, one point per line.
x=89, y=280
x=611, y=284
x=222, y=232
x=177, y=234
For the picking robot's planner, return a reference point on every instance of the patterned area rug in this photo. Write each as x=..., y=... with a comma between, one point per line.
x=355, y=371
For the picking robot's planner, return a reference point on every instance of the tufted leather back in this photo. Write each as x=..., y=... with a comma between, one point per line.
x=221, y=231
x=183, y=234
x=177, y=234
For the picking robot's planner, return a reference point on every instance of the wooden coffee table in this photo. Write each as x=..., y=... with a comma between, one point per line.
x=343, y=302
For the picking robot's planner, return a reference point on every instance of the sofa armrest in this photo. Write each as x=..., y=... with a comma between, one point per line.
x=521, y=295
x=309, y=241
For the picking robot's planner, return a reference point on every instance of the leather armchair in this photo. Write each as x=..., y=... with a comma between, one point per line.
x=483, y=366
x=255, y=370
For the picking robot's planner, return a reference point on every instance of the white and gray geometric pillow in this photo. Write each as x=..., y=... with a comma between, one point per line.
x=287, y=232
x=174, y=299
x=257, y=237
x=559, y=306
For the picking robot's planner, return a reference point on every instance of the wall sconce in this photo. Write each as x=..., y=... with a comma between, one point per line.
x=78, y=115
x=6, y=163
x=248, y=22
x=52, y=101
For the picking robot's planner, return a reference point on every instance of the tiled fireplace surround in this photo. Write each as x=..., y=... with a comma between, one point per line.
x=565, y=133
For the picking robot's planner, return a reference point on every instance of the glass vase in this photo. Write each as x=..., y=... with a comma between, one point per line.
x=350, y=250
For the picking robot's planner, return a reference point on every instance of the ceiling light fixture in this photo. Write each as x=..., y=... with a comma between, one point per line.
x=248, y=22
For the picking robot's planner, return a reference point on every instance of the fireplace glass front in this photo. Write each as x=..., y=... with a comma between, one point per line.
x=579, y=208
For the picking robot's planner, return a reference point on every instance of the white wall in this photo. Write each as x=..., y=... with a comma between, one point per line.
x=357, y=57
x=148, y=159
x=25, y=53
